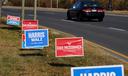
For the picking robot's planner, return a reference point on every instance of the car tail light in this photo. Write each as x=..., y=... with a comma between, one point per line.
x=87, y=10
x=100, y=10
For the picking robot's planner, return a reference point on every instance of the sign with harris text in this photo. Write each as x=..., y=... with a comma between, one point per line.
x=110, y=70
x=68, y=47
x=36, y=38
x=29, y=24
x=13, y=20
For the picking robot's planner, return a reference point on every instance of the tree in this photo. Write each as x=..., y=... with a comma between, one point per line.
x=16, y=3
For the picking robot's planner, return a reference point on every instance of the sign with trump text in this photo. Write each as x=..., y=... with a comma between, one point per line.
x=13, y=20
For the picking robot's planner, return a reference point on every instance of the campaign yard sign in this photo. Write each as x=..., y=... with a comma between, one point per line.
x=38, y=38
x=29, y=24
x=23, y=41
x=68, y=47
x=110, y=70
x=13, y=20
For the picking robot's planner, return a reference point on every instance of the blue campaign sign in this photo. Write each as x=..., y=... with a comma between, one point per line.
x=38, y=38
x=13, y=20
x=23, y=44
x=112, y=70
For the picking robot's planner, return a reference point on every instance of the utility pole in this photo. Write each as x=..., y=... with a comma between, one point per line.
x=51, y=3
x=57, y=3
x=23, y=8
x=110, y=5
x=35, y=9
x=0, y=9
x=38, y=3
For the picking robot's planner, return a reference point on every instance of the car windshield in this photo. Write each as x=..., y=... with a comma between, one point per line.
x=91, y=4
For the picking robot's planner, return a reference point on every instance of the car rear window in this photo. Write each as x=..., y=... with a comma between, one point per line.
x=91, y=4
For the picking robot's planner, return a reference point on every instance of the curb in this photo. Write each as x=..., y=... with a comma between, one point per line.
x=115, y=54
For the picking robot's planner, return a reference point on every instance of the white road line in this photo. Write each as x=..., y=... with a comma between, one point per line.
x=118, y=29
x=67, y=20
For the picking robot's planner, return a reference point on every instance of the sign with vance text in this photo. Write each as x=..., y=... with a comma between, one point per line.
x=111, y=70
x=36, y=38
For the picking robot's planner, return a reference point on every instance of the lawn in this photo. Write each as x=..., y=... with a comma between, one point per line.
x=15, y=61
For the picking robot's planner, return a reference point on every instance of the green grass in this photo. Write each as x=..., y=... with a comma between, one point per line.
x=118, y=12
x=17, y=62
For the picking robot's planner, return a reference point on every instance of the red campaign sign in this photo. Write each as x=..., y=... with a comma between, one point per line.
x=23, y=37
x=68, y=47
x=29, y=24
x=15, y=18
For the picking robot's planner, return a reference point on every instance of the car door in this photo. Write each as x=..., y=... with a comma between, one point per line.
x=75, y=9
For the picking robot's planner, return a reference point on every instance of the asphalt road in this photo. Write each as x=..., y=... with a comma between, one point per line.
x=111, y=33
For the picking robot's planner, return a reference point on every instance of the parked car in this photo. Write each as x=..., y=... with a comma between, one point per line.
x=86, y=9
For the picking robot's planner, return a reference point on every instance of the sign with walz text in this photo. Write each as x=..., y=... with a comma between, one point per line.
x=38, y=38
x=68, y=47
x=29, y=24
x=13, y=20
x=110, y=70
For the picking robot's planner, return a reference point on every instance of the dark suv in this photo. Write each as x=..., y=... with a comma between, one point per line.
x=86, y=9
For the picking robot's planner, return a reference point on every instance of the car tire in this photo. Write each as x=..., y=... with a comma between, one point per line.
x=89, y=19
x=68, y=16
x=79, y=17
x=100, y=19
